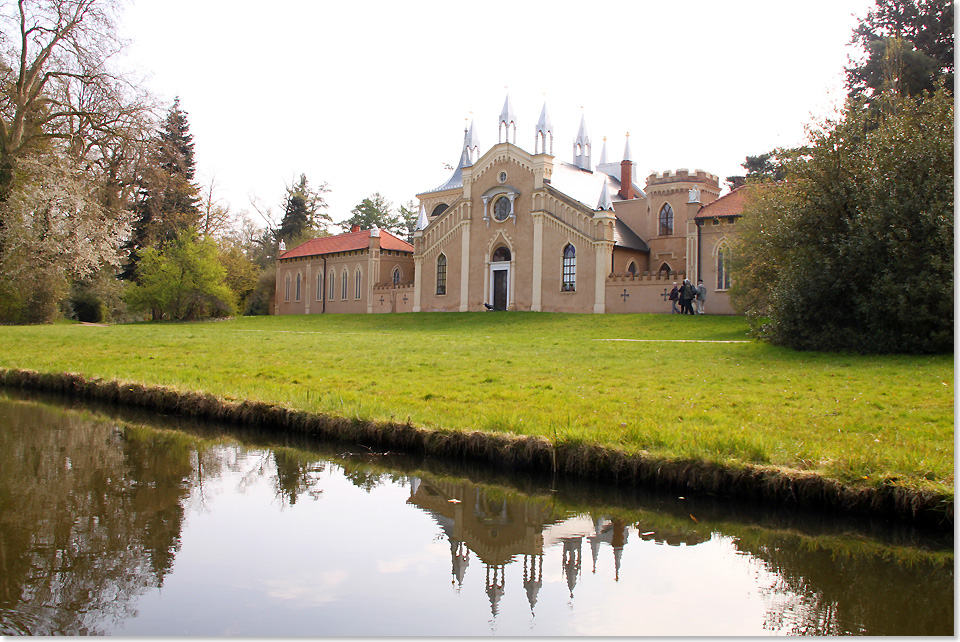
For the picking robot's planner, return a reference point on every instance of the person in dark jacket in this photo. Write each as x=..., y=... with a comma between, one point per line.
x=687, y=294
x=674, y=296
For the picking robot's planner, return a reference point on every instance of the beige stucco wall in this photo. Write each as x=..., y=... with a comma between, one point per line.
x=714, y=233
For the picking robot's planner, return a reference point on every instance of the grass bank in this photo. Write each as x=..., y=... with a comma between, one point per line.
x=692, y=392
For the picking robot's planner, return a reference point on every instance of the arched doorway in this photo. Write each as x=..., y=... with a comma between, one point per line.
x=500, y=278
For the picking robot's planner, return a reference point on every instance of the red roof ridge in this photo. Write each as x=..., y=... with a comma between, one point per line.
x=346, y=242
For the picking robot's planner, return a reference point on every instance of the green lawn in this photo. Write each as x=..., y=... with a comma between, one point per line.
x=675, y=386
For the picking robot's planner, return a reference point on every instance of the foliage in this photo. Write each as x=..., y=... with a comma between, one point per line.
x=303, y=213
x=855, y=250
x=241, y=273
x=907, y=46
x=258, y=302
x=97, y=298
x=183, y=280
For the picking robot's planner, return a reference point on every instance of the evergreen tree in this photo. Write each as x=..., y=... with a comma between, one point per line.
x=167, y=200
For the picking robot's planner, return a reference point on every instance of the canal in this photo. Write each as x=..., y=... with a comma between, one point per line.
x=114, y=522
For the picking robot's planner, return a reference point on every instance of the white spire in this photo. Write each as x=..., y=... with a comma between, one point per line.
x=422, y=219
x=472, y=144
x=606, y=203
x=582, y=146
x=544, y=128
x=603, y=152
x=507, y=120
x=626, y=150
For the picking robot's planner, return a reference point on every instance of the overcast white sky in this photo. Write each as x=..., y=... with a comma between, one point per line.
x=374, y=96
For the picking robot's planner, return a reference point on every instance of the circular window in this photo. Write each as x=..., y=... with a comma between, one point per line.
x=501, y=208
x=502, y=177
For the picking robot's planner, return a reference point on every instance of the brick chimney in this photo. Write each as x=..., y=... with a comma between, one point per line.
x=626, y=180
x=626, y=173
x=354, y=228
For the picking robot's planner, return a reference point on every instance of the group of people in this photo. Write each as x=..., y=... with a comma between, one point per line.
x=690, y=298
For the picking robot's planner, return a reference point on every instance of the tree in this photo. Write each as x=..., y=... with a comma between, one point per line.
x=409, y=214
x=906, y=47
x=375, y=210
x=303, y=214
x=770, y=166
x=184, y=280
x=55, y=231
x=854, y=251
x=167, y=201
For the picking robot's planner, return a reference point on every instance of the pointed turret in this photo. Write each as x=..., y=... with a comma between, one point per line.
x=582, y=146
x=472, y=144
x=603, y=152
x=544, y=129
x=606, y=203
x=507, y=120
x=422, y=219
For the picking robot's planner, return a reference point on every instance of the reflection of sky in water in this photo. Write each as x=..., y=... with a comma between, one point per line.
x=358, y=563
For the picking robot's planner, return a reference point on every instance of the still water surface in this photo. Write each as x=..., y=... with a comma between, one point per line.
x=111, y=525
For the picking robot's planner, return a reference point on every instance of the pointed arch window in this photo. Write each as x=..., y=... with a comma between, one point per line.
x=632, y=268
x=333, y=286
x=569, y=269
x=439, y=209
x=501, y=254
x=397, y=275
x=666, y=220
x=723, y=267
x=286, y=289
x=319, y=285
x=665, y=268
x=442, y=274
x=356, y=285
x=298, y=287
x=343, y=285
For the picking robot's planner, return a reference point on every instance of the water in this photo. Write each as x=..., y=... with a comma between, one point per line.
x=120, y=524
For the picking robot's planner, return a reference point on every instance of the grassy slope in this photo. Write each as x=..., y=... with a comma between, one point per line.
x=849, y=417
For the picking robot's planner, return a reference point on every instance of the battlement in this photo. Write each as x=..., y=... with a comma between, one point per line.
x=683, y=176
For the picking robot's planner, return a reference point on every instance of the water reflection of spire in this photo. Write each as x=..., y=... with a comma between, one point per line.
x=618, y=541
x=460, y=556
x=595, y=540
x=532, y=577
x=571, y=561
x=495, y=584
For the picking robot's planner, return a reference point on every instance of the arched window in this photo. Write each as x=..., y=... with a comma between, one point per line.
x=286, y=289
x=632, y=268
x=666, y=220
x=333, y=286
x=439, y=209
x=665, y=268
x=319, y=285
x=343, y=285
x=501, y=254
x=569, y=269
x=397, y=275
x=298, y=287
x=502, y=208
x=723, y=267
x=441, y=274
x=356, y=286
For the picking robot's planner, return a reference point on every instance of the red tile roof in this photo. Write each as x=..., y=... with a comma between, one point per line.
x=346, y=243
x=727, y=206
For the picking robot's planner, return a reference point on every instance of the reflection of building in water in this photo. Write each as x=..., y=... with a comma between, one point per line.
x=497, y=530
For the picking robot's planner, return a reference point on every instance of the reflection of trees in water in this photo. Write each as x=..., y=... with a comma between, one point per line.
x=823, y=590
x=90, y=518
x=297, y=474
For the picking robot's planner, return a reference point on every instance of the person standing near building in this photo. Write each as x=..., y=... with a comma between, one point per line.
x=674, y=295
x=701, y=296
x=687, y=293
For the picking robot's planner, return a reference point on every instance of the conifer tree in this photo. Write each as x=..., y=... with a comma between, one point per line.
x=303, y=212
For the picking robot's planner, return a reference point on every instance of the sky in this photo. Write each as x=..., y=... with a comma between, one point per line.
x=373, y=97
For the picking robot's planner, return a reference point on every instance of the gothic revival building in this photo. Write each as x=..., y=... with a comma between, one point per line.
x=515, y=230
